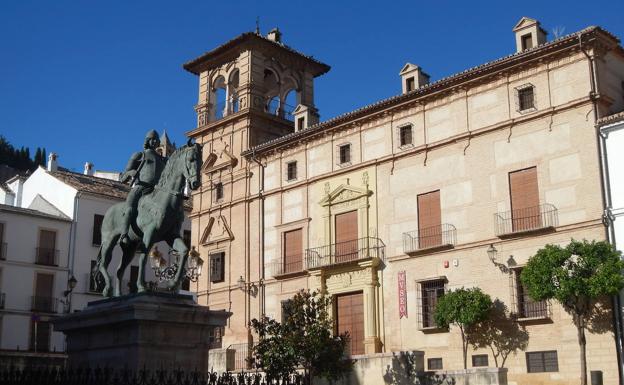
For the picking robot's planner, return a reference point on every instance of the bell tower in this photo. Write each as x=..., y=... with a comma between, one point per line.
x=258, y=76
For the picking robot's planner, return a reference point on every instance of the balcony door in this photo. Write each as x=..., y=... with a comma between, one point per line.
x=293, y=246
x=525, y=211
x=350, y=318
x=47, y=248
x=429, y=220
x=43, y=300
x=346, y=248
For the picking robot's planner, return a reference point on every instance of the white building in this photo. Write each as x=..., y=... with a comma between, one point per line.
x=72, y=206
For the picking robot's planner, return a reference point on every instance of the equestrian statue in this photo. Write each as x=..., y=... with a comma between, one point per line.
x=153, y=211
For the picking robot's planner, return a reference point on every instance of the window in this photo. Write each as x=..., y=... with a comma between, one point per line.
x=526, y=98
x=429, y=220
x=527, y=41
x=345, y=153
x=430, y=292
x=96, y=282
x=525, y=210
x=479, y=360
x=539, y=362
x=46, y=252
x=218, y=192
x=291, y=171
x=525, y=307
x=40, y=336
x=217, y=267
x=405, y=135
x=434, y=363
x=43, y=301
x=97, y=229
x=215, y=337
x=410, y=85
x=300, y=123
x=286, y=309
x=293, y=251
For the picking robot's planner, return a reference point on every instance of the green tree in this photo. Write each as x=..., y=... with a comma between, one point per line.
x=577, y=276
x=304, y=340
x=44, y=157
x=37, y=158
x=463, y=308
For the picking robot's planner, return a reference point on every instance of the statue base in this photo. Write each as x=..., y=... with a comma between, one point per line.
x=148, y=330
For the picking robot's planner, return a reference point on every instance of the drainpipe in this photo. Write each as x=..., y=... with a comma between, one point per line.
x=606, y=198
x=71, y=253
x=261, y=230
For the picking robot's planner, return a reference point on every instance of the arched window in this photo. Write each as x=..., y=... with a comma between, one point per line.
x=218, y=98
x=271, y=84
x=233, y=92
x=290, y=103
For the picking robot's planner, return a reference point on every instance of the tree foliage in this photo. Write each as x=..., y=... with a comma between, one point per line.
x=303, y=340
x=577, y=276
x=20, y=158
x=462, y=308
x=499, y=332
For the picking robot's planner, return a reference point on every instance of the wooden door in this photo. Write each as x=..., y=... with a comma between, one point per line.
x=346, y=248
x=350, y=319
x=293, y=251
x=44, y=288
x=525, y=211
x=429, y=220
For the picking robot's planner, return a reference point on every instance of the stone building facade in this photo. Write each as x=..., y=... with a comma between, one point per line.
x=453, y=183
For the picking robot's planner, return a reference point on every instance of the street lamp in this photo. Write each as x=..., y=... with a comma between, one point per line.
x=71, y=284
x=492, y=252
x=250, y=287
x=165, y=272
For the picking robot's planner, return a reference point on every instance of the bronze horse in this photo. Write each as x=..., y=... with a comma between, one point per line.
x=160, y=216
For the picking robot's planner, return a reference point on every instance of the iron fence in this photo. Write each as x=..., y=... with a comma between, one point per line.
x=342, y=252
x=87, y=376
x=43, y=304
x=46, y=256
x=533, y=218
x=528, y=308
x=443, y=235
x=278, y=268
x=242, y=356
x=283, y=110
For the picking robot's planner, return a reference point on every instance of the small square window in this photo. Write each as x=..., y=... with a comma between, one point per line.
x=410, y=85
x=539, y=362
x=345, y=153
x=526, y=98
x=291, y=171
x=405, y=135
x=479, y=360
x=218, y=191
x=217, y=267
x=434, y=363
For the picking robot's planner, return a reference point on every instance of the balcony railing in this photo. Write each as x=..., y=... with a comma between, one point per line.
x=344, y=252
x=43, y=304
x=528, y=219
x=46, y=256
x=3, y=250
x=279, y=268
x=441, y=236
x=283, y=110
x=2, y=298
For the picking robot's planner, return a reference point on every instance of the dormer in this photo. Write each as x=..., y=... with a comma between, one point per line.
x=412, y=78
x=529, y=34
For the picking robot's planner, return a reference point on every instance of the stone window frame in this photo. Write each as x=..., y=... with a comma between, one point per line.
x=215, y=191
x=518, y=91
x=339, y=161
x=544, y=369
x=419, y=304
x=477, y=360
x=290, y=178
x=432, y=366
x=212, y=277
x=405, y=146
x=514, y=281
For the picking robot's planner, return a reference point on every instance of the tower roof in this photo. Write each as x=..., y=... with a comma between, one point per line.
x=226, y=52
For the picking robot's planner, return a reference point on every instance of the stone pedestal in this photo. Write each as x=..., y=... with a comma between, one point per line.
x=151, y=330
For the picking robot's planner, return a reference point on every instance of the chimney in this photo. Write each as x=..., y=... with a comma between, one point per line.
x=529, y=34
x=88, y=169
x=52, y=162
x=275, y=35
x=412, y=78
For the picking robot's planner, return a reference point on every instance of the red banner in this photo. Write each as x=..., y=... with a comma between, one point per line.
x=402, y=295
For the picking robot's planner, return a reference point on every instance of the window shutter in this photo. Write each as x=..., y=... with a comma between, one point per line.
x=523, y=188
x=293, y=249
x=429, y=220
x=97, y=229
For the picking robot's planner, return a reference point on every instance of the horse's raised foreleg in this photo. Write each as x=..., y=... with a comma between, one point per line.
x=180, y=247
x=128, y=254
x=105, y=258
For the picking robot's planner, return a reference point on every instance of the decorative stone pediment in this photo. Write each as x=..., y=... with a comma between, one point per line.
x=216, y=231
x=345, y=193
x=219, y=160
x=524, y=22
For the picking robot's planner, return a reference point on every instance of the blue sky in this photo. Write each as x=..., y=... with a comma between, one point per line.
x=87, y=79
